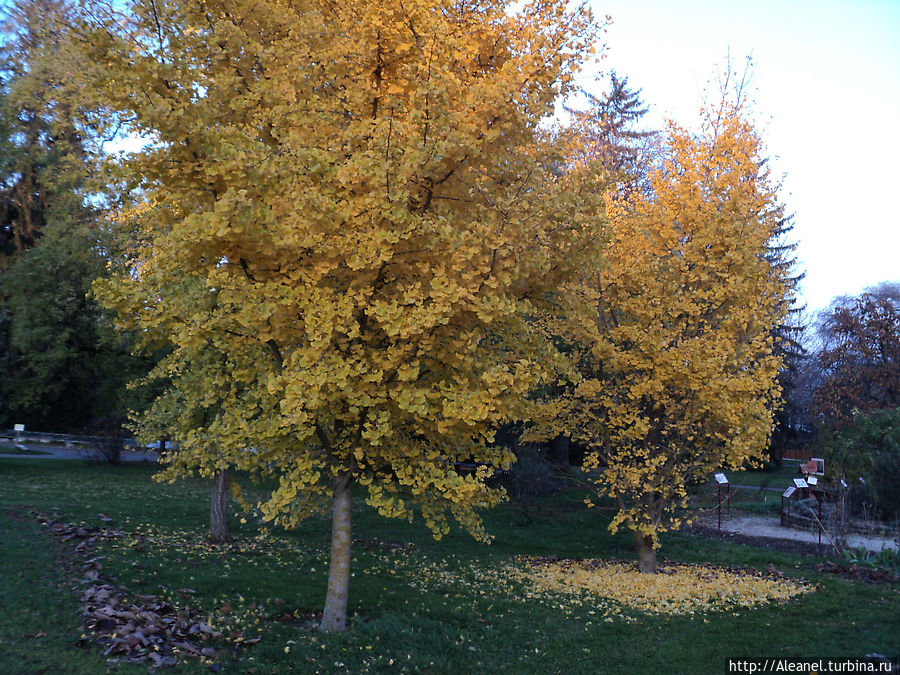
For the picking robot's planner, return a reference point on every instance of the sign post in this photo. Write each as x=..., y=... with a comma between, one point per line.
x=786, y=497
x=720, y=481
x=818, y=499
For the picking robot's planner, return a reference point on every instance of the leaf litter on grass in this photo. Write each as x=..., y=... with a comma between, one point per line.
x=613, y=589
x=676, y=589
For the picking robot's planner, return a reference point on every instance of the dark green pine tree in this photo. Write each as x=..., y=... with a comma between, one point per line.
x=43, y=164
x=612, y=122
x=791, y=417
x=610, y=137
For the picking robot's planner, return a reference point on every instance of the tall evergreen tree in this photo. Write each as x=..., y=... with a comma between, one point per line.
x=611, y=129
x=607, y=151
x=788, y=342
x=63, y=368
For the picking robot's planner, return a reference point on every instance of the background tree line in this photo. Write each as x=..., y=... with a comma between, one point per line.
x=64, y=368
x=842, y=396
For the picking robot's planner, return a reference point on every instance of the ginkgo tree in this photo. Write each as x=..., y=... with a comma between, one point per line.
x=354, y=215
x=674, y=374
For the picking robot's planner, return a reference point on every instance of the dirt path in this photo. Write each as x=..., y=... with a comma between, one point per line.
x=769, y=527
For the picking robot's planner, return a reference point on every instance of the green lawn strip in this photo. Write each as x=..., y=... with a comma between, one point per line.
x=39, y=624
x=745, y=500
x=778, y=477
x=427, y=606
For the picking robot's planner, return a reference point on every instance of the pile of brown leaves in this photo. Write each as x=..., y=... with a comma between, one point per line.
x=853, y=571
x=145, y=628
x=135, y=628
x=86, y=536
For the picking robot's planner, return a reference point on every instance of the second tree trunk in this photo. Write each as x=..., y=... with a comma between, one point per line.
x=218, y=510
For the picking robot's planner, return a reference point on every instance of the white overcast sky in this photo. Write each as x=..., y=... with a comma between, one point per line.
x=827, y=87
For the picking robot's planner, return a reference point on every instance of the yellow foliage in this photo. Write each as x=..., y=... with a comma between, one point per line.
x=671, y=328
x=676, y=589
x=353, y=214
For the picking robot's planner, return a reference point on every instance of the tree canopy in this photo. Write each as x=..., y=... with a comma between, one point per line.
x=674, y=364
x=63, y=367
x=354, y=216
x=859, y=358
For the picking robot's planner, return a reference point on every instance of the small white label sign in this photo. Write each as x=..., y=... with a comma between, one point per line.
x=19, y=427
x=789, y=492
x=800, y=483
x=720, y=478
x=812, y=480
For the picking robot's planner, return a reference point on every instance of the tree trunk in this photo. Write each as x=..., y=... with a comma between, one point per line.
x=646, y=553
x=334, y=618
x=218, y=510
x=559, y=450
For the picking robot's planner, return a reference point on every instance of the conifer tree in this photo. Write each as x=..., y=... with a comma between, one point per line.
x=613, y=130
x=789, y=414
x=43, y=164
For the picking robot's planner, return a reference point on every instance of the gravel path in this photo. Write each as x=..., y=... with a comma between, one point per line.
x=769, y=527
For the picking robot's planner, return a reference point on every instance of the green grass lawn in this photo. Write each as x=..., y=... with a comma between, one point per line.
x=753, y=492
x=779, y=477
x=416, y=605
